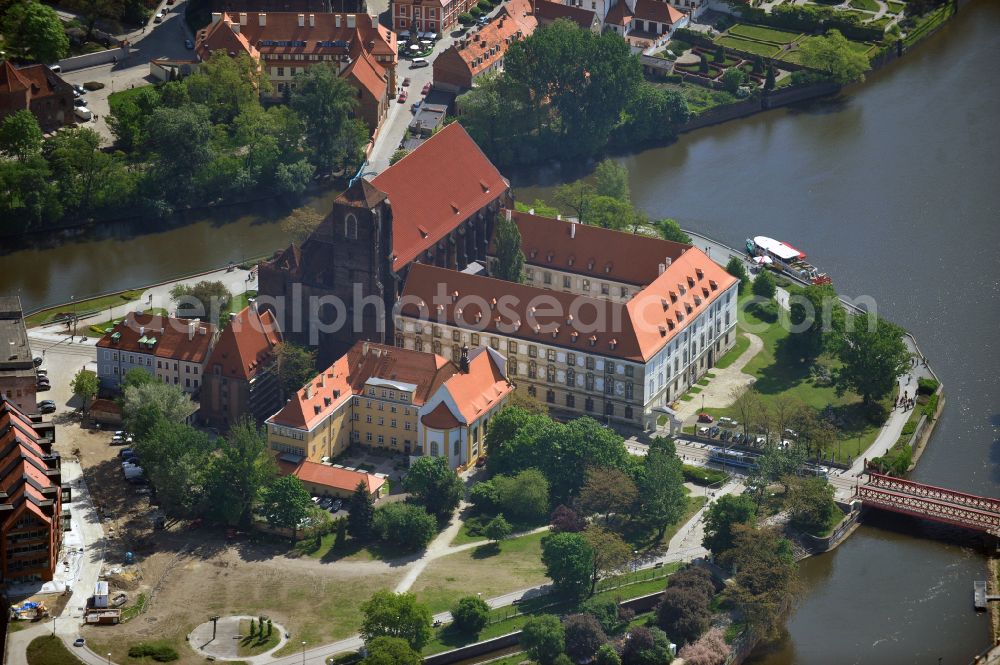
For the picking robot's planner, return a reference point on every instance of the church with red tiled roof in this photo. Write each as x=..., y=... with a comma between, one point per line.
x=436, y=206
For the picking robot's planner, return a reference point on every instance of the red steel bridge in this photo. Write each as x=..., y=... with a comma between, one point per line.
x=932, y=503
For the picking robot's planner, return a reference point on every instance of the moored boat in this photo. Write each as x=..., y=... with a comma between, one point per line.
x=782, y=256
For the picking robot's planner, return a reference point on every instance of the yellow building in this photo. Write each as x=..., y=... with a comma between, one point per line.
x=398, y=400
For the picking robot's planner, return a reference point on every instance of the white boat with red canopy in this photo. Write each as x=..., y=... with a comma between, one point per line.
x=768, y=251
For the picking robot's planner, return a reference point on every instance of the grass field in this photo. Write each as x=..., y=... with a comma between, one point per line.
x=749, y=45
x=50, y=650
x=487, y=569
x=641, y=539
x=80, y=306
x=763, y=34
x=251, y=646
x=700, y=99
x=896, y=7
x=868, y=5
x=741, y=344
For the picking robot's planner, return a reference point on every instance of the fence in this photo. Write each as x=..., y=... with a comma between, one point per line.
x=94, y=59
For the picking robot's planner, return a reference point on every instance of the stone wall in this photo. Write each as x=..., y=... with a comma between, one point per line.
x=94, y=59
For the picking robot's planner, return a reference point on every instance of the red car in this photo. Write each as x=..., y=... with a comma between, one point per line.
x=427, y=88
x=705, y=418
x=402, y=97
x=406, y=81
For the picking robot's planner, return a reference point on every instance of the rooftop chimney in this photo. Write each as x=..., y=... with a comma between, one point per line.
x=216, y=17
x=662, y=268
x=302, y=20
x=336, y=20
x=262, y=18
x=463, y=362
x=351, y=20
x=312, y=20
x=243, y=18
x=572, y=229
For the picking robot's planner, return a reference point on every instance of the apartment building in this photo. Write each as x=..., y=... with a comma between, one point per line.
x=31, y=520
x=612, y=325
x=397, y=400
x=18, y=380
x=169, y=349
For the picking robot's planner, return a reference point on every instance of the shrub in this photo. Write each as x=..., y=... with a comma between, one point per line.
x=476, y=12
x=683, y=614
x=584, y=636
x=404, y=524
x=484, y=5
x=931, y=406
x=734, y=78
x=702, y=475
x=605, y=611
x=711, y=649
x=607, y=655
x=926, y=386
x=93, y=85
x=566, y=519
x=471, y=614
x=161, y=653
x=673, y=78
x=465, y=18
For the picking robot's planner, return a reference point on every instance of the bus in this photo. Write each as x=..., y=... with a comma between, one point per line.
x=733, y=458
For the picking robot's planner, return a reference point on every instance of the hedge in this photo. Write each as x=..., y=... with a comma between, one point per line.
x=813, y=18
x=926, y=386
x=158, y=651
x=931, y=406
x=700, y=475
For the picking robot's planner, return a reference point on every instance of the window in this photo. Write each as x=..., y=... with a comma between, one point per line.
x=495, y=343
x=567, y=282
x=550, y=373
x=570, y=377
x=570, y=401
x=590, y=362
x=624, y=292
x=381, y=439
x=629, y=390
x=532, y=369
x=531, y=391
x=629, y=370
x=511, y=347
x=512, y=367
x=475, y=339
x=368, y=437
x=381, y=406
x=381, y=421
x=529, y=274
x=588, y=405
x=406, y=426
x=609, y=367
x=434, y=448
x=609, y=387
x=609, y=409
x=393, y=441
x=456, y=336
x=628, y=412
x=368, y=419
x=589, y=381
x=392, y=423
x=456, y=448
x=547, y=278
x=281, y=71
x=532, y=352
x=586, y=285
x=550, y=355
x=392, y=409
x=570, y=359
x=605, y=290
x=550, y=396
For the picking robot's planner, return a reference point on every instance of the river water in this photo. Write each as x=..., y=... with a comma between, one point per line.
x=892, y=189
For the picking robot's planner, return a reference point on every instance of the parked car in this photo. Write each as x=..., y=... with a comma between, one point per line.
x=705, y=418
x=402, y=97
x=43, y=386
x=47, y=406
x=79, y=89
x=158, y=18
x=427, y=88
x=325, y=502
x=42, y=372
x=727, y=422
x=188, y=44
x=415, y=107
x=78, y=102
x=83, y=113
x=37, y=360
x=316, y=500
x=125, y=452
x=79, y=642
x=419, y=62
x=336, y=505
x=406, y=81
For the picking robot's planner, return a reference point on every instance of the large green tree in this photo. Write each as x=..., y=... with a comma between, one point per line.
x=361, y=513
x=131, y=114
x=327, y=105
x=766, y=577
x=833, y=55
x=237, y=475
x=87, y=177
x=662, y=494
x=35, y=30
x=509, y=263
x=669, y=229
x=471, y=614
x=285, y=502
x=175, y=456
x=296, y=365
x=391, y=651
x=20, y=136
x=434, y=485
x=611, y=179
x=569, y=562
x=737, y=269
x=143, y=404
x=84, y=386
x=544, y=638
x=610, y=553
x=399, y=615
x=404, y=525
x=181, y=147
x=27, y=196
x=722, y=516
x=810, y=502
x=814, y=313
x=873, y=354
x=227, y=86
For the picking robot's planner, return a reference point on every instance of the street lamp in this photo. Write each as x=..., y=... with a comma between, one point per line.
x=303, y=652
x=109, y=659
x=53, y=626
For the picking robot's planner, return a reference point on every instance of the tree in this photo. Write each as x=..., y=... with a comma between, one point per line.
x=693, y=580
x=253, y=627
x=296, y=366
x=814, y=313
x=607, y=491
x=611, y=179
x=606, y=655
x=404, y=524
x=611, y=213
x=584, y=636
x=398, y=155
x=471, y=614
x=874, y=356
x=180, y=149
x=391, y=651
x=20, y=136
x=810, y=501
x=833, y=55
x=300, y=223
x=29, y=195
x=777, y=464
x=204, y=299
x=509, y=264
x=174, y=456
x=227, y=86
x=544, y=638
x=87, y=177
x=136, y=377
x=142, y=405
x=710, y=649
x=498, y=529
x=652, y=115
x=703, y=64
x=434, y=485
x=610, y=553
x=764, y=286
x=605, y=610
x=669, y=229
x=235, y=477
x=361, y=513
x=524, y=497
x=662, y=494
x=130, y=116
x=683, y=615
x=399, y=615
x=285, y=502
x=84, y=385
x=720, y=54
x=746, y=401
x=569, y=562
x=736, y=268
x=769, y=81
x=734, y=78
x=328, y=104
x=766, y=576
x=36, y=31
x=727, y=511
x=566, y=519
x=574, y=196
x=646, y=646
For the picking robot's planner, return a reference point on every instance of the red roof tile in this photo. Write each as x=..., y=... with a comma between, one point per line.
x=246, y=344
x=550, y=11
x=188, y=340
x=367, y=73
x=341, y=479
x=24, y=480
x=435, y=188
x=593, y=251
x=656, y=10
x=440, y=418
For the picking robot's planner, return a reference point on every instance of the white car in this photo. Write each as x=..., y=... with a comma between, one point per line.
x=83, y=113
x=158, y=18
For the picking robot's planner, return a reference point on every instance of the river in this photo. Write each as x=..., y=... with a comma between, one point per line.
x=893, y=190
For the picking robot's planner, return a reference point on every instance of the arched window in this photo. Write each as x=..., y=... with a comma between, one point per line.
x=351, y=226
x=434, y=448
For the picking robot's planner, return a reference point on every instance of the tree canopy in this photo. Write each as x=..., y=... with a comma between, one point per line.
x=569, y=562
x=509, y=263
x=434, y=485
x=405, y=525
x=84, y=385
x=285, y=502
x=296, y=365
x=35, y=30
x=398, y=615
x=20, y=136
x=873, y=354
x=544, y=638
x=327, y=105
x=766, y=578
x=722, y=516
x=832, y=54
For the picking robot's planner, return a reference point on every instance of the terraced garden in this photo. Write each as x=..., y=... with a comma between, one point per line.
x=775, y=43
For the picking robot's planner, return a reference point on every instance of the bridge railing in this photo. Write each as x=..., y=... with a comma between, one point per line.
x=933, y=492
x=929, y=508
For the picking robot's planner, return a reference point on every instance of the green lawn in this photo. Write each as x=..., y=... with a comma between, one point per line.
x=50, y=650
x=796, y=57
x=82, y=306
x=251, y=646
x=749, y=45
x=896, y=7
x=741, y=344
x=642, y=539
x=487, y=569
x=778, y=373
x=116, y=98
x=764, y=34
x=701, y=99
x=868, y=5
